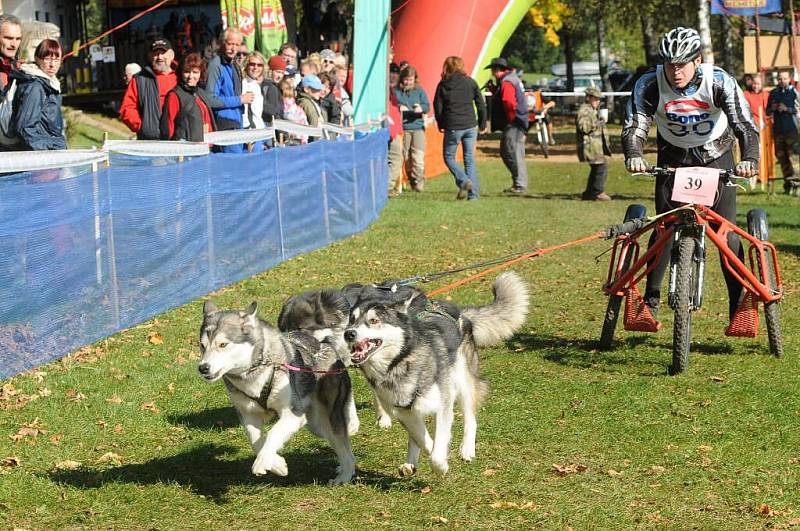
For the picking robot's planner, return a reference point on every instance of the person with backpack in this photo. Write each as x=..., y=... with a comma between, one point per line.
x=37, y=118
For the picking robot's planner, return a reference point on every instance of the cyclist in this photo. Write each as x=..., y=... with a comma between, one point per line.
x=700, y=113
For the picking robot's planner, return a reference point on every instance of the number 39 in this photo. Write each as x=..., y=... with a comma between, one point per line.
x=693, y=183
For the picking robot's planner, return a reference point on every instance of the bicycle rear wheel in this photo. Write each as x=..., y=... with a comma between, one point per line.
x=615, y=301
x=684, y=282
x=757, y=226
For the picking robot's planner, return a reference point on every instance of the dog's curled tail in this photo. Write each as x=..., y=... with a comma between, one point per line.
x=500, y=319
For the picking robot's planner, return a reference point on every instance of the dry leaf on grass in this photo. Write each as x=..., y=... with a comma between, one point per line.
x=569, y=468
x=439, y=519
x=150, y=406
x=68, y=465
x=55, y=439
x=613, y=473
x=425, y=490
x=110, y=457
x=74, y=395
x=155, y=338
x=10, y=462
x=32, y=429
x=489, y=472
x=719, y=379
x=114, y=399
x=657, y=469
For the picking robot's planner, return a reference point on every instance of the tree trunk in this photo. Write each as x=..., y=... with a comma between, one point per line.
x=290, y=15
x=727, y=44
x=649, y=40
x=704, y=28
x=569, y=58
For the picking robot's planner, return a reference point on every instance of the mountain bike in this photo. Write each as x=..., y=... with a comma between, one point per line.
x=539, y=126
x=688, y=227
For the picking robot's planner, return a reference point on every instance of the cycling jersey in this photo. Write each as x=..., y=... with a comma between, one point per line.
x=686, y=136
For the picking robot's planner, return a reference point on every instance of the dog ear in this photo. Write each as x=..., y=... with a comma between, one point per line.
x=407, y=303
x=252, y=309
x=209, y=307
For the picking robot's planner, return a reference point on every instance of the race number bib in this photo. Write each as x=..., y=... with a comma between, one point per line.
x=695, y=185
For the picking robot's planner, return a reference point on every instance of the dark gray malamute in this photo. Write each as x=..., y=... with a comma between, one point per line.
x=419, y=362
x=294, y=376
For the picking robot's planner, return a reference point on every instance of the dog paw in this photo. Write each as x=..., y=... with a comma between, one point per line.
x=342, y=478
x=439, y=465
x=467, y=453
x=353, y=426
x=270, y=463
x=407, y=470
x=385, y=422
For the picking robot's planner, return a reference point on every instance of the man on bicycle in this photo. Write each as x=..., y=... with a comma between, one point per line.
x=700, y=113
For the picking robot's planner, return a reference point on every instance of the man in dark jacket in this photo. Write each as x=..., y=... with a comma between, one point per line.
x=224, y=84
x=457, y=97
x=144, y=98
x=510, y=115
x=782, y=107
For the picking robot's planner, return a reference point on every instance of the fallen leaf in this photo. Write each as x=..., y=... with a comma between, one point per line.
x=569, y=468
x=74, y=395
x=32, y=429
x=657, y=469
x=704, y=448
x=110, y=457
x=44, y=391
x=613, y=473
x=55, y=439
x=171, y=387
x=716, y=378
x=503, y=505
x=67, y=465
x=7, y=391
x=150, y=406
x=425, y=490
x=384, y=514
x=155, y=338
x=489, y=472
x=114, y=399
x=10, y=461
x=765, y=510
x=118, y=428
x=439, y=519
x=102, y=424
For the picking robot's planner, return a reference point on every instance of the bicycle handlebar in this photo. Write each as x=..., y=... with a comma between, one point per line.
x=728, y=176
x=625, y=228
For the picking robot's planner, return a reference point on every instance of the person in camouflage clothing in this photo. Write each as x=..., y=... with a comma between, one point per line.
x=593, y=144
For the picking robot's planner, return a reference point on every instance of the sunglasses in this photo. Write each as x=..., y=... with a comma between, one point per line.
x=241, y=54
x=328, y=61
x=261, y=65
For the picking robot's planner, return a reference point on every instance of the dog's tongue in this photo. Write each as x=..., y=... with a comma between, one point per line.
x=361, y=349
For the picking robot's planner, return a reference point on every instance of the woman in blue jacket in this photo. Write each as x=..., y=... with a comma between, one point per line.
x=36, y=118
x=414, y=106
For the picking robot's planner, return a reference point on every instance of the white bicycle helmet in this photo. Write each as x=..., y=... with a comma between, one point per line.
x=680, y=45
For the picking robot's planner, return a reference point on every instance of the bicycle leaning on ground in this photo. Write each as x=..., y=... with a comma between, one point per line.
x=687, y=226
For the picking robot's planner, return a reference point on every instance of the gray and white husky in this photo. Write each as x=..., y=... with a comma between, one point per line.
x=267, y=373
x=420, y=362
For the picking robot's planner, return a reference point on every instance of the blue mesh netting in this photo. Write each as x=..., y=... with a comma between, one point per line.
x=86, y=255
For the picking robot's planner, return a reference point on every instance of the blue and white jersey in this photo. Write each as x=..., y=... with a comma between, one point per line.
x=692, y=120
x=696, y=125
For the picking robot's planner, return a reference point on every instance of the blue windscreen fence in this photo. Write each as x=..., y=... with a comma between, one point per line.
x=84, y=256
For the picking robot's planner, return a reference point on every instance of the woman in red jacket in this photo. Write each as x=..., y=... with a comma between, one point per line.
x=187, y=114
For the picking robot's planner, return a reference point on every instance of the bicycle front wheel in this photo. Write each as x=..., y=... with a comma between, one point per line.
x=757, y=226
x=544, y=140
x=684, y=283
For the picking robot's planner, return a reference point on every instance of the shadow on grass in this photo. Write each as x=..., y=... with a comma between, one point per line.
x=576, y=196
x=588, y=354
x=203, y=471
x=214, y=418
x=787, y=248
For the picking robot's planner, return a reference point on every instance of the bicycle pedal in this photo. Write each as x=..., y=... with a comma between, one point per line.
x=638, y=317
x=745, y=319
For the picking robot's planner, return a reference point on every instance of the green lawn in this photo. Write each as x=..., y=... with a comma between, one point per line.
x=124, y=434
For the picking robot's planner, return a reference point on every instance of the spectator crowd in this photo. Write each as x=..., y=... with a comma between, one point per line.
x=179, y=94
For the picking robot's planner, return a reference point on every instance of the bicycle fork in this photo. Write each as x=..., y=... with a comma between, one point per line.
x=697, y=233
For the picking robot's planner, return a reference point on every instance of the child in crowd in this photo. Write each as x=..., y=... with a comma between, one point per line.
x=292, y=111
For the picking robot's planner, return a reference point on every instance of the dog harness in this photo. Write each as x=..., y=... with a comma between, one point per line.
x=433, y=309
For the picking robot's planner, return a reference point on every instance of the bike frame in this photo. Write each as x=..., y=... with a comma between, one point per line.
x=698, y=219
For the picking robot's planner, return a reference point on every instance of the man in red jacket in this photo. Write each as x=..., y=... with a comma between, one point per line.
x=510, y=115
x=144, y=98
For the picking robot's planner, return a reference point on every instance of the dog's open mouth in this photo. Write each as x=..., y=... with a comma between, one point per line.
x=362, y=350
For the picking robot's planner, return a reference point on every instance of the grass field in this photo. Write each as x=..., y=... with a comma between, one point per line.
x=125, y=435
